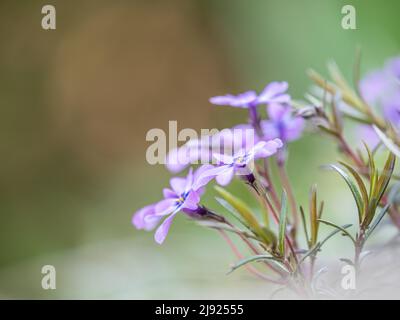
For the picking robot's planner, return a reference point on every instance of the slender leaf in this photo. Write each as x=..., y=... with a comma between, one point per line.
x=318, y=246
x=361, y=187
x=282, y=224
x=234, y=213
x=258, y=258
x=328, y=130
x=303, y=218
x=313, y=215
x=345, y=232
x=372, y=172
x=245, y=213
x=353, y=189
x=333, y=233
x=385, y=176
x=375, y=223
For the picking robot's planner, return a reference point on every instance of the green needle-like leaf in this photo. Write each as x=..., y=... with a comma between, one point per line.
x=282, y=224
x=361, y=187
x=345, y=232
x=314, y=215
x=245, y=213
x=353, y=189
x=259, y=258
x=375, y=223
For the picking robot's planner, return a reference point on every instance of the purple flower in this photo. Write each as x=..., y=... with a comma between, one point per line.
x=381, y=89
x=281, y=123
x=184, y=194
x=240, y=163
x=383, y=84
x=273, y=92
x=201, y=150
x=391, y=108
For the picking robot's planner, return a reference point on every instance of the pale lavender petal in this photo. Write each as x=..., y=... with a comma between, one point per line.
x=282, y=98
x=191, y=201
x=277, y=111
x=268, y=149
x=223, y=159
x=189, y=180
x=393, y=67
x=177, y=159
x=139, y=218
x=198, y=180
x=391, y=108
x=273, y=91
x=225, y=177
x=165, y=207
x=242, y=100
x=269, y=129
x=162, y=230
x=178, y=184
x=211, y=173
x=168, y=193
x=373, y=85
x=226, y=100
x=293, y=129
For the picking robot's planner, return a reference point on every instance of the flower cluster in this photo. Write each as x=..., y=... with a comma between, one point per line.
x=241, y=151
x=247, y=151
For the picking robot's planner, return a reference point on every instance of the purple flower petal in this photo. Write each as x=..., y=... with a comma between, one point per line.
x=242, y=100
x=223, y=159
x=274, y=92
x=225, y=177
x=192, y=200
x=393, y=67
x=211, y=173
x=373, y=85
x=294, y=129
x=168, y=193
x=277, y=111
x=162, y=230
x=189, y=181
x=266, y=149
x=165, y=207
x=177, y=159
x=269, y=129
x=198, y=180
x=139, y=218
x=178, y=184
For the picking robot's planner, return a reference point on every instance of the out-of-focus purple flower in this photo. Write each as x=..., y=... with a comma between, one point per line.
x=383, y=84
x=184, y=194
x=393, y=68
x=381, y=90
x=273, y=92
x=391, y=108
x=282, y=123
x=200, y=150
x=240, y=162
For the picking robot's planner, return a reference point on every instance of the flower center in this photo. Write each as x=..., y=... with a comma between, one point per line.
x=182, y=198
x=241, y=160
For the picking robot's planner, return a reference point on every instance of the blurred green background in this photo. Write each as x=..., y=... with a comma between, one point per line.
x=76, y=104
